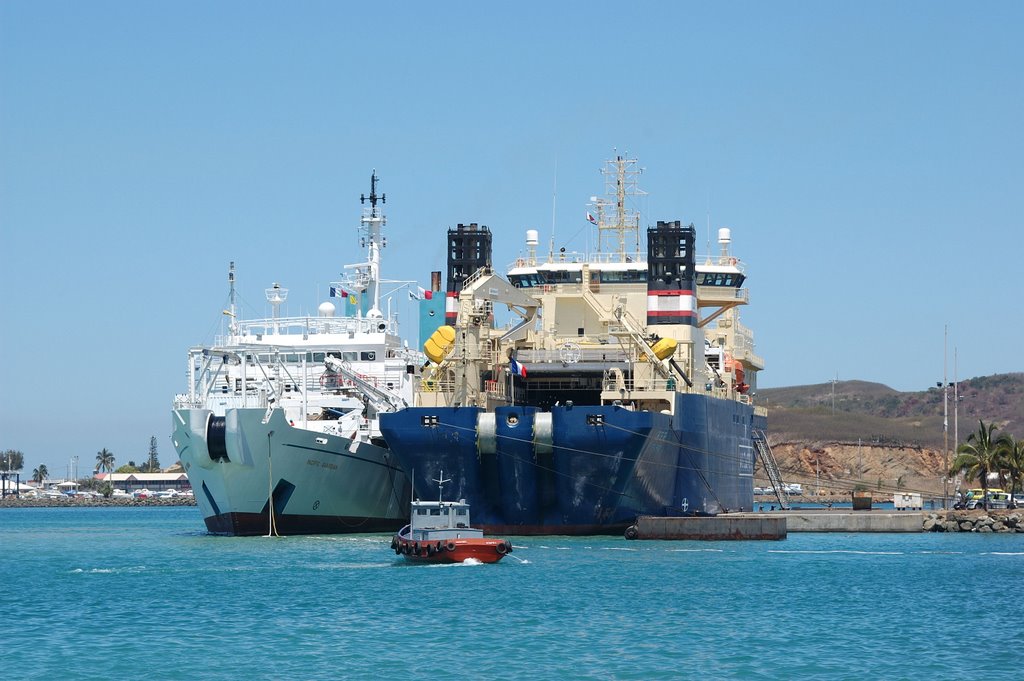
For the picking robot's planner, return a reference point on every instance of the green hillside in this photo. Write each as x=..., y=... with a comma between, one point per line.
x=872, y=412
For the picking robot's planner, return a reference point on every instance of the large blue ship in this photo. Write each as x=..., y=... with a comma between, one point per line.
x=620, y=386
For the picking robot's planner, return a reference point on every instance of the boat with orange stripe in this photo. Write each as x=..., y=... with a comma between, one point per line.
x=440, y=532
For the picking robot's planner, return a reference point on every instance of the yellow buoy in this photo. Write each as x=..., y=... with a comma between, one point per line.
x=665, y=347
x=439, y=344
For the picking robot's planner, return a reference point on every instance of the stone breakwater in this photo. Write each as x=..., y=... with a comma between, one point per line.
x=974, y=521
x=24, y=502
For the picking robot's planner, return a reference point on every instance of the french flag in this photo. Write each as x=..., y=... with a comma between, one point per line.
x=516, y=368
x=591, y=218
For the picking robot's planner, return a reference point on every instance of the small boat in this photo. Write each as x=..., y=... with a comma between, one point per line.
x=440, y=532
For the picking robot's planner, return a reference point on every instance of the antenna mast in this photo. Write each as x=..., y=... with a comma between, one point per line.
x=373, y=222
x=440, y=486
x=233, y=324
x=621, y=182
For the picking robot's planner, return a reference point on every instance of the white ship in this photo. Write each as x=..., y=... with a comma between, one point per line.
x=278, y=431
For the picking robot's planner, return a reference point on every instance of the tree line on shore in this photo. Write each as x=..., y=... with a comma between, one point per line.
x=985, y=454
x=13, y=460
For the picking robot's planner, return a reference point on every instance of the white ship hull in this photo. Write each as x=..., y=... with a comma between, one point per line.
x=320, y=483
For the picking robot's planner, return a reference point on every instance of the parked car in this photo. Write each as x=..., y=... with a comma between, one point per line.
x=975, y=499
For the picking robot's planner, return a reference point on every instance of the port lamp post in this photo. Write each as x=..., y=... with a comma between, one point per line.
x=945, y=438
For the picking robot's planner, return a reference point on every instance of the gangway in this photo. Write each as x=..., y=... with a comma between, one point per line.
x=771, y=467
x=382, y=400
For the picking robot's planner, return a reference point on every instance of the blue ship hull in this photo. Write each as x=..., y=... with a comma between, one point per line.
x=601, y=468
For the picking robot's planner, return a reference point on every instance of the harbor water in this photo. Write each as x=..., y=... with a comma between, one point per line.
x=117, y=593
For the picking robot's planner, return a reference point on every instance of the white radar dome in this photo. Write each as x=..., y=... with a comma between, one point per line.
x=326, y=309
x=531, y=237
x=724, y=235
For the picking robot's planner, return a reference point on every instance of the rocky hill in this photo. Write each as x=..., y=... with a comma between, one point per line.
x=858, y=433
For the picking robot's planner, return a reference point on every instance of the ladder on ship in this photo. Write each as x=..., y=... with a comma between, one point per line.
x=771, y=467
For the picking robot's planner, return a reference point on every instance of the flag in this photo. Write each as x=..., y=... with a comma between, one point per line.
x=516, y=368
x=338, y=293
x=591, y=218
x=413, y=295
x=429, y=295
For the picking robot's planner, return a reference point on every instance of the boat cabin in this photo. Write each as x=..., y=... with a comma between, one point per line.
x=433, y=520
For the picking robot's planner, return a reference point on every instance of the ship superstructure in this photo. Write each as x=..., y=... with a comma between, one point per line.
x=622, y=387
x=279, y=429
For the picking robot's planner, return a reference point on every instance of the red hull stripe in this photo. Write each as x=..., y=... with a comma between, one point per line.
x=670, y=313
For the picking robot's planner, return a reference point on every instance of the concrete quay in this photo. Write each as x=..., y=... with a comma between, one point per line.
x=774, y=525
x=817, y=520
x=731, y=526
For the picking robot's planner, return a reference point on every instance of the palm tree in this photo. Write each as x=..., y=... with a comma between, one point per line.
x=105, y=462
x=40, y=474
x=1013, y=462
x=980, y=455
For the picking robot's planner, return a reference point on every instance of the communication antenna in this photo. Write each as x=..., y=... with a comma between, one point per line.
x=554, y=204
x=709, y=222
x=275, y=296
x=440, y=486
x=233, y=324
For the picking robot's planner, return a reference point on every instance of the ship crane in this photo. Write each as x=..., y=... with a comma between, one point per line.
x=380, y=399
x=479, y=293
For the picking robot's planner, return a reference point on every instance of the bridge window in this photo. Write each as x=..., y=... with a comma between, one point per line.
x=531, y=280
x=622, y=277
x=564, y=276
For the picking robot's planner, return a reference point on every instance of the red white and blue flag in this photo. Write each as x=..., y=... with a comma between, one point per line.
x=516, y=368
x=591, y=218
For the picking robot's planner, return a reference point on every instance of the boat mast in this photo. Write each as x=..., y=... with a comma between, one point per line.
x=373, y=221
x=233, y=324
x=440, y=486
x=621, y=182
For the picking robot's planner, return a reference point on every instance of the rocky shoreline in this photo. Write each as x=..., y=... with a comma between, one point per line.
x=974, y=521
x=46, y=502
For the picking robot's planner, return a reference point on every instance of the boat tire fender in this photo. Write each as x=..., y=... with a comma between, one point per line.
x=501, y=549
x=631, y=532
x=450, y=546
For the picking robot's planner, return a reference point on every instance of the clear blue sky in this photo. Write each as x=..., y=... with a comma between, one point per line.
x=869, y=157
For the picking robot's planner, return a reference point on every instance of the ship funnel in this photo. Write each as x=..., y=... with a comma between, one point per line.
x=469, y=249
x=670, y=274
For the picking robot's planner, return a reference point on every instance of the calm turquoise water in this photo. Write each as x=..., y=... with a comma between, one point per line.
x=127, y=593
